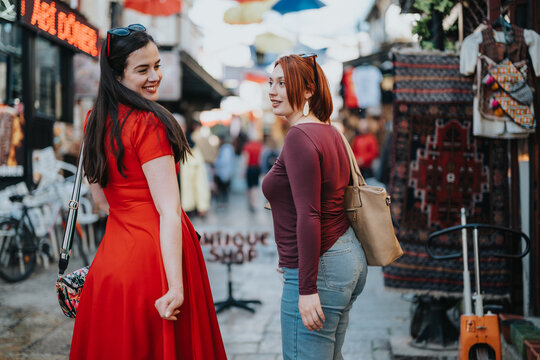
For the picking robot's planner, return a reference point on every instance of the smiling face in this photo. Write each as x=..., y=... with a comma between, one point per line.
x=142, y=73
x=278, y=94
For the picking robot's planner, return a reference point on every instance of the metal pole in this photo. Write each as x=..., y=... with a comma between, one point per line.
x=524, y=179
x=467, y=297
x=534, y=148
x=460, y=24
x=28, y=84
x=479, y=305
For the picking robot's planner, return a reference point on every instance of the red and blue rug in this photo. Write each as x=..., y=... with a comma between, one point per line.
x=438, y=168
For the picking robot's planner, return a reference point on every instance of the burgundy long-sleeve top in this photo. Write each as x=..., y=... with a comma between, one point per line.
x=305, y=188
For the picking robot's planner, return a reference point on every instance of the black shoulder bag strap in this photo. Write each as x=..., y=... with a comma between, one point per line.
x=71, y=221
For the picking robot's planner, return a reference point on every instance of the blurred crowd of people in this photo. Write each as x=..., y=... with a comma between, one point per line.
x=369, y=132
x=222, y=163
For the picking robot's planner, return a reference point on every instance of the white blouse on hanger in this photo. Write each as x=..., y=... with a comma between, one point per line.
x=469, y=50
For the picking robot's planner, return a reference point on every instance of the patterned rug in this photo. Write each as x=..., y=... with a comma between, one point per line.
x=439, y=167
x=430, y=78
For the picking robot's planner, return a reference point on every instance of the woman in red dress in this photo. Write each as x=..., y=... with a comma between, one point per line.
x=147, y=294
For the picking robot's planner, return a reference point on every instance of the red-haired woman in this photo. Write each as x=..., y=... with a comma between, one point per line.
x=324, y=266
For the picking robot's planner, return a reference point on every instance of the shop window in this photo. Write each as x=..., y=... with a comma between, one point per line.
x=10, y=37
x=10, y=79
x=10, y=64
x=15, y=89
x=11, y=119
x=48, y=85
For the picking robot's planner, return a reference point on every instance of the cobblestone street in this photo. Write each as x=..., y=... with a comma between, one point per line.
x=33, y=327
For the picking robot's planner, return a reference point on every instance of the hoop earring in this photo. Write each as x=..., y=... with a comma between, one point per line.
x=305, y=111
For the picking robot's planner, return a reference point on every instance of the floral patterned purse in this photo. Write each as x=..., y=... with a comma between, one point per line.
x=69, y=287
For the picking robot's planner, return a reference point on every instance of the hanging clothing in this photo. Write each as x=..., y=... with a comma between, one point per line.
x=349, y=92
x=366, y=149
x=367, y=86
x=470, y=48
x=481, y=50
x=194, y=186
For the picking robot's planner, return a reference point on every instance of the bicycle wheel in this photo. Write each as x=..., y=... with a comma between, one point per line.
x=17, y=251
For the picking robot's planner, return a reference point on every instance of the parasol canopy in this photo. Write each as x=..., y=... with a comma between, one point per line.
x=272, y=43
x=248, y=12
x=155, y=7
x=289, y=6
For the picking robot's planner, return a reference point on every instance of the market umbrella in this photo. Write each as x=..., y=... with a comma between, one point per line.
x=155, y=7
x=272, y=43
x=247, y=12
x=289, y=6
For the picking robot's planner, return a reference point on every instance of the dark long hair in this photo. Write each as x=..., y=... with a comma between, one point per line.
x=299, y=77
x=111, y=93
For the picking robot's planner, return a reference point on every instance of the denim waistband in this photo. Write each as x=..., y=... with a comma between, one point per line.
x=347, y=237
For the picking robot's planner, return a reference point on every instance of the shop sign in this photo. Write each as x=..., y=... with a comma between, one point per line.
x=60, y=23
x=235, y=247
x=7, y=10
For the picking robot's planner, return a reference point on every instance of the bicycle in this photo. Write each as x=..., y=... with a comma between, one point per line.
x=19, y=243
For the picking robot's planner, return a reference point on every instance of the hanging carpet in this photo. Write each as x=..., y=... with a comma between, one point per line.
x=439, y=167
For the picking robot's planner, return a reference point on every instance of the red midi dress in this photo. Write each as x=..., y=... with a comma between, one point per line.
x=116, y=318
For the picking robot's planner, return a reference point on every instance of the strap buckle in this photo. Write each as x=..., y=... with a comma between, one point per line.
x=73, y=204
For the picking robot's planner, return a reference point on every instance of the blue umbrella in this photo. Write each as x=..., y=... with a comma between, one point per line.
x=289, y=6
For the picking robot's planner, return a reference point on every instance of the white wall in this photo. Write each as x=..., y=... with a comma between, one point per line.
x=97, y=13
x=164, y=29
x=190, y=37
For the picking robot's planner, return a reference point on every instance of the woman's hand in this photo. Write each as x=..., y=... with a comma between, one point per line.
x=311, y=311
x=167, y=305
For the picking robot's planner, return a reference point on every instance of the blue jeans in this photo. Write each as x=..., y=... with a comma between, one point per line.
x=341, y=278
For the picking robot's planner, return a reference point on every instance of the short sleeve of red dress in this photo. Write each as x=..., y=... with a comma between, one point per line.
x=149, y=138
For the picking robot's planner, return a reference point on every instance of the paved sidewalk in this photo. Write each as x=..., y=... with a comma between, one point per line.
x=33, y=327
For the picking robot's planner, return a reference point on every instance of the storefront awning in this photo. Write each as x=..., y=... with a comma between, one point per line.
x=197, y=83
x=382, y=55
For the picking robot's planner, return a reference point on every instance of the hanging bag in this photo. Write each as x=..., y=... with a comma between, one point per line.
x=368, y=210
x=514, y=95
x=69, y=287
x=485, y=121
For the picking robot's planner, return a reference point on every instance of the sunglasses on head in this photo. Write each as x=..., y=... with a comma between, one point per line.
x=314, y=56
x=122, y=31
